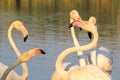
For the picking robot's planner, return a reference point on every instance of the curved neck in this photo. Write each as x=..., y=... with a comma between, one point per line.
x=68, y=51
x=4, y=76
x=76, y=43
x=82, y=61
x=93, y=57
x=24, y=65
x=11, y=40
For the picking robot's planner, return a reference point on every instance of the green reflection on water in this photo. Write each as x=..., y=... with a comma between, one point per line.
x=56, y=12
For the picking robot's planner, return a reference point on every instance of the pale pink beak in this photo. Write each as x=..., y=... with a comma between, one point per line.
x=77, y=23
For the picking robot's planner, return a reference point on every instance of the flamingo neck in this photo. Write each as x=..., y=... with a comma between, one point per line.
x=11, y=40
x=24, y=65
x=68, y=51
x=4, y=76
x=76, y=43
x=93, y=57
x=82, y=61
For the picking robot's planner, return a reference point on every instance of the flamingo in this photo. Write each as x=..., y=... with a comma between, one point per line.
x=68, y=65
x=20, y=27
x=88, y=72
x=74, y=15
x=26, y=56
x=99, y=56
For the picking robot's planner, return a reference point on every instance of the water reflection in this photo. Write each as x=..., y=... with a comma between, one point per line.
x=47, y=21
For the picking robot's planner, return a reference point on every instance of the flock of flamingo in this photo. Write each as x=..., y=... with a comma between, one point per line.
x=98, y=66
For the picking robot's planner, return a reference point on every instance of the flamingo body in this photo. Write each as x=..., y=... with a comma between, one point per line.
x=89, y=72
x=103, y=58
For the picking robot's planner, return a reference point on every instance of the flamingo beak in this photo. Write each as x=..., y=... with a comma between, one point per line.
x=76, y=23
x=70, y=25
x=25, y=38
x=36, y=51
x=24, y=32
x=90, y=35
x=42, y=51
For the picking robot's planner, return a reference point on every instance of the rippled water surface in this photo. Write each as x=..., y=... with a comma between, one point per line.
x=47, y=21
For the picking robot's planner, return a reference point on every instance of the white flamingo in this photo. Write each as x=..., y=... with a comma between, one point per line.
x=99, y=56
x=88, y=72
x=82, y=61
x=20, y=27
x=68, y=65
x=74, y=15
x=26, y=56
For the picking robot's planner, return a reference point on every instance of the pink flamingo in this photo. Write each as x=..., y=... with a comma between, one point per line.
x=20, y=27
x=88, y=72
x=26, y=56
x=101, y=56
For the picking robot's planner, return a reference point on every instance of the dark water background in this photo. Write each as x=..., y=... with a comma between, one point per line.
x=47, y=21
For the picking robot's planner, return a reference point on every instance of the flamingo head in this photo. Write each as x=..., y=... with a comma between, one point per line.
x=86, y=25
x=20, y=27
x=26, y=56
x=74, y=15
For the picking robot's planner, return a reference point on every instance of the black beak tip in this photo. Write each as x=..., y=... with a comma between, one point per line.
x=25, y=38
x=80, y=29
x=90, y=35
x=70, y=25
x=43, y=52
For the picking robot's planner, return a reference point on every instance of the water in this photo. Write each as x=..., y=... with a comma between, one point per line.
x=47, y=21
